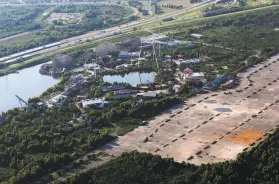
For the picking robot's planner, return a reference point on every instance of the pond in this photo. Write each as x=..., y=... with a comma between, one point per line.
x=26, y=84
x=133, y=78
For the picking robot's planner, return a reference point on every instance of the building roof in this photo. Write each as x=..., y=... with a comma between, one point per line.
x=200, y=74
x=93, y=101
x=92, y=65
x=113, y=87
x=154, y=37
x=129, y=54
x=191, y=61
x=188, y=70
x=125, y=91
x=196, y=35
x=58, y=98
x=148, y=94
x=122, y=66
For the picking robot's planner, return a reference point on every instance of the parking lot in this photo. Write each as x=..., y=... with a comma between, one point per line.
x=212, y=127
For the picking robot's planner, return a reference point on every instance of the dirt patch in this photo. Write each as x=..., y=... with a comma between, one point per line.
x=248, y=137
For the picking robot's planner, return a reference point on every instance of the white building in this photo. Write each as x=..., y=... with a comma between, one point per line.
x=194, y=76
x=149, y=94
x=58, y=100
x=77, y=78
x=154, y=37
x=167, y=59
x=191, y=61
x=122, y=66
x=96, y=102
x=92, y=66
x=195, y=35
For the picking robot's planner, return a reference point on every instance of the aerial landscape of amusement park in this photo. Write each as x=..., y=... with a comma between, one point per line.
x=139, y=91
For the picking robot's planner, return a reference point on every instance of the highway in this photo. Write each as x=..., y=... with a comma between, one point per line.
x=75, y=41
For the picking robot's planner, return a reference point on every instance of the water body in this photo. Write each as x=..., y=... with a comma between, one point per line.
x=223, y=110
x=27, y=83
x=133, y=78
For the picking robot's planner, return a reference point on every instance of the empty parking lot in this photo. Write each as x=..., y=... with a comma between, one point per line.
x=212, y=127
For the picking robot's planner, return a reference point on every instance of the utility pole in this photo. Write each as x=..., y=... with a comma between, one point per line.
x=159, y=43
x=154, y=55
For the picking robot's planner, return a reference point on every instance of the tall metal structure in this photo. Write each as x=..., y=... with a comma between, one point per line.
x=22, y=102
x=155, y=55
x=149, y=7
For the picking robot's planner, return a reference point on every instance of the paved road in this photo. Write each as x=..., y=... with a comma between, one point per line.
x=74, y=41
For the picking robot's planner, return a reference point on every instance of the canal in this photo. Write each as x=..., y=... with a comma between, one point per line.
x=27, y=83
x=133, y=78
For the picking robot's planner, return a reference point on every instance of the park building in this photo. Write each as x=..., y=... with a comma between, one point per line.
x=190, y=76
x=94, y=102
x=123, y=66
x=191, y=61
x=198, y=36
x=72, y=88
x=154, y=37
x=124, y=93
x=62, y=62
x=147, y=95
x=112, y=88
x=58, y=100
x=167, y=58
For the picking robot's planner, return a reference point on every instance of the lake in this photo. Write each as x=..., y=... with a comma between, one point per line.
x=133, y=78
x=26, y=84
